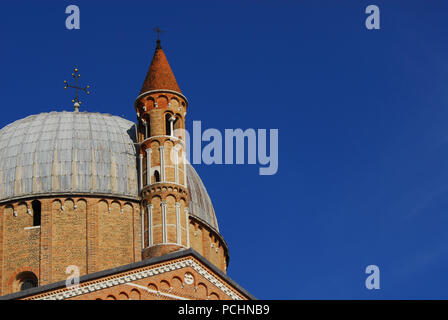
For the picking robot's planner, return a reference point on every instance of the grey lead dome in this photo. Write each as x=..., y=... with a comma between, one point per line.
x=85, y=153
x=67, y=152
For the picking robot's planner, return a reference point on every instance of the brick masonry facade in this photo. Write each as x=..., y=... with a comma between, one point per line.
x=92, y=233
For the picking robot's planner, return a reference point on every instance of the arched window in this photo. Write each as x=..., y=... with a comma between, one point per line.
x=25, y=280
x=37, y=208
x=147, y=129
x=168, y=124
x=177, y=125
x=157, y=175
x=141, y=130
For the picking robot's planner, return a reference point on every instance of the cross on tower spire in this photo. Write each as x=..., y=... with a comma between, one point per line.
x=76, y=100
x=157, y=29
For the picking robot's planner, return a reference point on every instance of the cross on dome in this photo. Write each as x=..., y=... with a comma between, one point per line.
x=76, y=100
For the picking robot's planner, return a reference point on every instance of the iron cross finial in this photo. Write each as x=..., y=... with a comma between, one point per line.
x=156, y=29
x=76, y=100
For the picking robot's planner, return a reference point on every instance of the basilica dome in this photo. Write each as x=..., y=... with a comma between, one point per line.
x=80, y=153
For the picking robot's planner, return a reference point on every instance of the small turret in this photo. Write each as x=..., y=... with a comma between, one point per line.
x=161, y=110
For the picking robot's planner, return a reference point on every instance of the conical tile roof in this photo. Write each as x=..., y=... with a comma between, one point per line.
x=160, y=76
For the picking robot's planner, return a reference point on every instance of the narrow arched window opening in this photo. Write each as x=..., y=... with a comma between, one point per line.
x=141, y=130
x=157, y=175
x=168, y=124
x=148, y=130
x=37, y=208
x=177, y=125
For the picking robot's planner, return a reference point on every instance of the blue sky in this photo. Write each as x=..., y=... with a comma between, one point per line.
x=362, y=118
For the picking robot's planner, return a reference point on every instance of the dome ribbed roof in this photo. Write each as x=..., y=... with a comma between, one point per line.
x=61, y=152
x=84, y=153
x=200, y=204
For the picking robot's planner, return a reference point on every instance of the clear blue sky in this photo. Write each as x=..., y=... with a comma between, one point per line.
x=362, y=118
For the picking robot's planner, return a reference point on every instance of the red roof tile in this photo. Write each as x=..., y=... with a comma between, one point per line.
x=160, y=76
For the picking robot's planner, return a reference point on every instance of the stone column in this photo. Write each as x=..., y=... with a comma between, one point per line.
x=148, y=166
x=187, y=226
x=140, y=169
x=150, y=235
x=178, y=230
x=162, y=163
x=164, y=228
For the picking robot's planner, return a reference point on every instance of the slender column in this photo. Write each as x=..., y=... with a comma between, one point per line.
x=150, y=235
x=143, y=227
x=141, y=171
x=184, y=158
x=176, y=165
x=148, y=166
x=172, y=126
x=164, y=231
x=162, y=163
x=187, y=226
x=178, y=233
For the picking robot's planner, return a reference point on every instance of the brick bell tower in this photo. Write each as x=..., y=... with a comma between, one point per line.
x=161, y=108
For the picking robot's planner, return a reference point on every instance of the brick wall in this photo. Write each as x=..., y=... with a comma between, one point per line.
x=92, y=233
x=73, y=231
